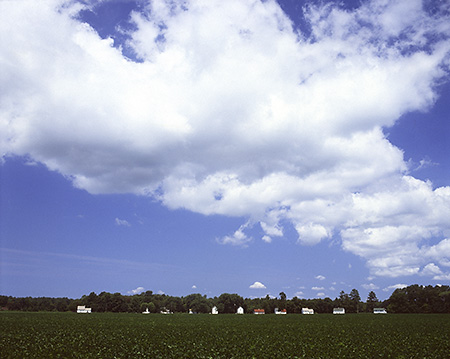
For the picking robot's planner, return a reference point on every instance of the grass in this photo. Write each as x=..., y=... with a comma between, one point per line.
x=107, y=335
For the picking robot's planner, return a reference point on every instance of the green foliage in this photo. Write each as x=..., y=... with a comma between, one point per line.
x=412, y=299
x=229, y=303
x=111, y=335
x=420, y=299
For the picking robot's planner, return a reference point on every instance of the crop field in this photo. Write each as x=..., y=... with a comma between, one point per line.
x=107, y=335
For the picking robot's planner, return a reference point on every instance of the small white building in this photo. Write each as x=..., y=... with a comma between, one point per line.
x=338, y=311
x=379, y=311
x=190, y=311
x=282, y=311
x=146, y=312
x=165, y=311
x=83, y=309
x=307, y=311
x=259, y=311
x=214, y=310
x=240, y=310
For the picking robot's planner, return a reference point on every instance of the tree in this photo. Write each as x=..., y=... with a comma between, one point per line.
x=118, y=303
x=193, y=300
x=372, y=297
x=151, y=307
x=200, y=305
x=229, y=303
x=343, y=301
x=175, y=304
x=372, y=301
x=134, y=305
x=145, y=306
x=355, y=299
x=398, y=301
x=323, y=305
x=411, y=299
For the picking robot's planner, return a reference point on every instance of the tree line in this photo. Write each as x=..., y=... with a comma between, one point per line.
x=411, y=299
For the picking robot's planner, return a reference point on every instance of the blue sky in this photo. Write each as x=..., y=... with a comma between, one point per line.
x=208, y=147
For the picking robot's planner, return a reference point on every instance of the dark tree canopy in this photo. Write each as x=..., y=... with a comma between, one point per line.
x=411, y=299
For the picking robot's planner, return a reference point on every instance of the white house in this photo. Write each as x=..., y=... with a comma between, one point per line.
x=259, y=311
x=146, y=312
x=214, y=310
x=338, y=311
x=282, y=311
x=379, y=311
x=83, y=309
x=307, y=311
x=240, y=310
x=165, y=311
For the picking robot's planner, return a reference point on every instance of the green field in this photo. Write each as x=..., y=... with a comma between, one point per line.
x=107, y=335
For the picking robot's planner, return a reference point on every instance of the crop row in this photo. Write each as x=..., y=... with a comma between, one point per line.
x=68, y=335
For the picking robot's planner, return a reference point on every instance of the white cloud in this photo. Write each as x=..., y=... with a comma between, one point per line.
x=312, y=233
x=320, y=294
x=394, y=286
x=317, y=288
x=272, y=230
x=238, y=238
x=299, y=294
x=370, y=286
x=443, y=276
x=235, y=113
x=194, y=287
x=257, y=285
x=122, y=222
x=320, y=277
x=266, y=239
x=137, y=290
x=432, y=270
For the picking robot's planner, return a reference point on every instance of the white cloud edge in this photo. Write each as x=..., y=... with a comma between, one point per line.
x=138, y=290
x=257, y=285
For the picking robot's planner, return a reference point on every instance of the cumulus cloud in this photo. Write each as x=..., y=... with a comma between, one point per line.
x=317, y=288
x=137, y=290
x=320, y=277
x=435, y=272
x=122, y=222
x=231, y=111
x=257, y=285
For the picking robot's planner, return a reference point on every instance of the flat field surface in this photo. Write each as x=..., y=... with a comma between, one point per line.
x=107, y=335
